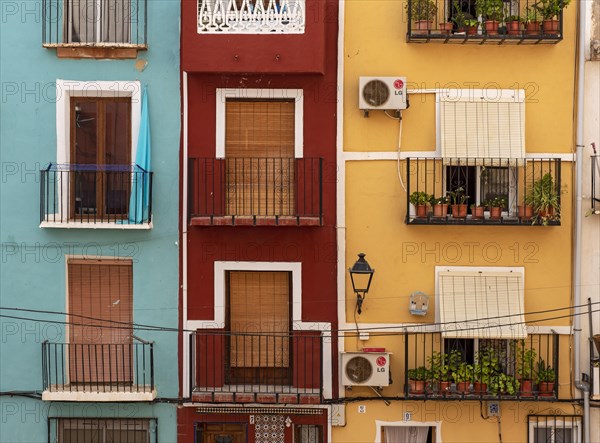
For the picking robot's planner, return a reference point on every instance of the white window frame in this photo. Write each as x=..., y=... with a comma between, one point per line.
x=574, y=425
x=267, y=94
x=380, y=424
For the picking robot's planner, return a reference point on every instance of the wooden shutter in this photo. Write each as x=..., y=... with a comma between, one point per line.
x=259, y=302
x=102, y=290
x=490, y=124
x=482, y=304
x=259, y=150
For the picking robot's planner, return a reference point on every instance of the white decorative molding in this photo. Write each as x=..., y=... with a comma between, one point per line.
x=251, y=16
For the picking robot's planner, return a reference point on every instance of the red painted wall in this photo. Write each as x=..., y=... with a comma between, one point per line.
x=271, y=53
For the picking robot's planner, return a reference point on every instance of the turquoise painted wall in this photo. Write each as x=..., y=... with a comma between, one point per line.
x=33, y=270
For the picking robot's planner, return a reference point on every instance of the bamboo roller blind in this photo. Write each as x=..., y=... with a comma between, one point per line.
x=259, y=150
x=479, y=128
x=259, y=302
x=102, y=289
x=475, y=299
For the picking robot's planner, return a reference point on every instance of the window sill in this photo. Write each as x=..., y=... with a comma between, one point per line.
x=230, y=220
x=99, y=225
x=503, y=221
x=98, y=396
x=97, y=51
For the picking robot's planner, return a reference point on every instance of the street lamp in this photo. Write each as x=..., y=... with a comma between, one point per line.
x=361, y=275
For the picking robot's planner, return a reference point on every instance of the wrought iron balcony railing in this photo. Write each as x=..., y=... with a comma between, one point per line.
x=478, y=22
x=251, y=16
x=455, y=369
x=72, y=369
x=95, y=23
x=483, y=191
x=101, y=195
x=256, y=367
x=255, y=191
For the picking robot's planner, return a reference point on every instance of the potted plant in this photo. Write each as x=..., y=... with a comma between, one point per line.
x=463, y=20
x=463, y=376
x=496, y=206
x=503, y=384
x=525, y=369
x=532, y=23
x=441, y=368
x=550, y=10
x=487, y=366
x=446, y=27
x=471, y=25
x=492, y=13
x=545, y=196
x=477, y=212
x=422, y=13
x=545, y=378
x=417, y=378
x=459, y=206
x=513, y=25
x=525, y=211
x=420, y=200
x=440, y=206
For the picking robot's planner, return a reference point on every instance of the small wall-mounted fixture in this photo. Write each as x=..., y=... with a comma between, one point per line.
x=419, y=303
x=361, y=275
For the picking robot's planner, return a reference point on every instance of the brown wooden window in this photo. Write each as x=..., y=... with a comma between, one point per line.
x=259, y=148
x=259, y=319
x=100, y=296
x=101, y=156
x=221, y=433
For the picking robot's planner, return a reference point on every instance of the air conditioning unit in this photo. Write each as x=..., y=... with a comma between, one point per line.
x=366, y=369
x=386, y=93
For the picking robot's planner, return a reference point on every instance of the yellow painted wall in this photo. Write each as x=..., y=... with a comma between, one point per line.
x=404, y=256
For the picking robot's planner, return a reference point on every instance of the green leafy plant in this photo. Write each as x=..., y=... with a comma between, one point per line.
x=458, y=196
x=439, y=200
x=512, y=18
x=490, y=10
x=550, y=9
x=497, y=202
x=545, y=199
x=422, y=10
x=526, y=363
x=441, y=366
x=487, y=366
x=471, y=22
x=461, y=18
x=531, y=16
x=464, y=373
x=504, y=384
x=545, y=373
x=420, y=198
x=420, y=374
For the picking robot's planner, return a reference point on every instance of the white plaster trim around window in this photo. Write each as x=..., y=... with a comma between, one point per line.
x=267, y=94
x=379, y=424
x=65, y=89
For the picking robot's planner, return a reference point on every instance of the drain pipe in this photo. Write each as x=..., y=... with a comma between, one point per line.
x=582, y=386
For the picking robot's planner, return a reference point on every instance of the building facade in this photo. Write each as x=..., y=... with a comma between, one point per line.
x=259, y=296
x=89, y=274
x=460, y=194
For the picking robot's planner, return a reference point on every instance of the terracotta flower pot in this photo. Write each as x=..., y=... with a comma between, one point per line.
x=416, y=386
x=422, y=26
x=479, y=388
x=546, y=388
x=472, y=30
x=446, y=28
x=513, y=27
x=491, y=27
x=533, y=28
x=421, y=211
x=444, y=387
x=525, y=211
x=526, y=388
x=477, y=212
x=459, y=211
x=547, y=212
x=440, y=210
x=462, y=387
x=495, y=213
x=551, y=27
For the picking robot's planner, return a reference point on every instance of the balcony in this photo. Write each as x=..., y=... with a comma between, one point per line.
x=256, y=367
x=483, y=191
x=98, y=372
x=251, y=16
x=95, y=196
x=595, y=184
x=255, y=191
x=460, y=21
x=450, y=369
x=95, y=28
